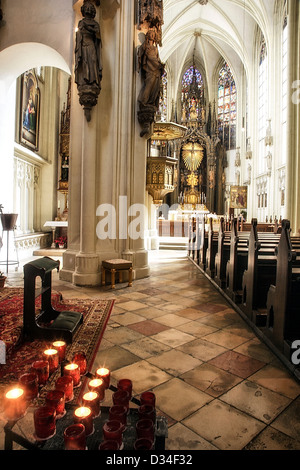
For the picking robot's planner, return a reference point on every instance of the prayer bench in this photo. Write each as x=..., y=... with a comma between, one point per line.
x=114, y=266
x=49, y=324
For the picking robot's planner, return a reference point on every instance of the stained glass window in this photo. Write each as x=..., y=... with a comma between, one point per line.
x=227, y=107
x=191, y=94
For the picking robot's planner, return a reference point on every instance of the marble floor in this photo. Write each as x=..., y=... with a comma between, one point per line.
x=218, y=385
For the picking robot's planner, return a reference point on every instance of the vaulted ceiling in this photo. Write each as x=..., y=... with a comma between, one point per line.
x=212, y=31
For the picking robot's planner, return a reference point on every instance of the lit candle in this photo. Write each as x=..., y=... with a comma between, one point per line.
x=92, y=401
x=65, y=384
x=84, y=415
x=73, y=371
x=80, y=359
x=14, y=404
x=60, y=346
x=104, y=374
x=97, y=385
x=51, y=355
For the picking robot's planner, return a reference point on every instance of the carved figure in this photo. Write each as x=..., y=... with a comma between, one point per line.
x=152, y=70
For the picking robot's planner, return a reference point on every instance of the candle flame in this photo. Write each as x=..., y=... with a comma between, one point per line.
x=50, y=352
x=15, y=393
x=59, y=344
x=102, y=371
x=71, y=366
x=90, y=396
x=96, y=382
x=82, y=412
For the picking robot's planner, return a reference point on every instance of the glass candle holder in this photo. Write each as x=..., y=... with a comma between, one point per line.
x=60, y=346
x=72, y=370
x=109, y=445
x=145, y=428
x=14, y=404
x=97, y=385
x=147, y=412
x=84, y=415
x=121, y=398
x=41, y=368
x=65, y=384
x=143, y=444
x=92, y=401
x=125, y=385
x=51, y=355
x=104, y=374
x=79, y=358
x=75, y=437
x=118, y=413
x=44, y=422
x=113, y=430
x=29, y=382
x=56, y=399
x=148, y=398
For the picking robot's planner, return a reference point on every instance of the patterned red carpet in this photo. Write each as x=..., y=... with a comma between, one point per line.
x=19, y=357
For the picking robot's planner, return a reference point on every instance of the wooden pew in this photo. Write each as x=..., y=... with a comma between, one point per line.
x=203, y=245
x=222, y=255
x=260, y=274
x=283, y=301
x=212, y=248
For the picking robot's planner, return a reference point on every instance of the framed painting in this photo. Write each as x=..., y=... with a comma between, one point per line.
x=30, y=110
x=238, y=197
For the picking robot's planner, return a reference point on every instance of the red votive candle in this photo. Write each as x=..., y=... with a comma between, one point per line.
x=51, y=355
x=92, y=401
x=97, y=385
x=126, y=385
x=41, y=368
x=80, y=359
x=104, y=374
x=65, y=384
x=118, y=413
x=147, y=412
x=73, y=371
x=145, y=428
x=14, y=404
x=44, y=422
x=29, y=382
x=143, y=444
x=56, y=399
x=113, y=431
x=121, y=398
x=84, y=415
x=148, y=398
x=75, y=437
x=60, y=347
x=109, y=445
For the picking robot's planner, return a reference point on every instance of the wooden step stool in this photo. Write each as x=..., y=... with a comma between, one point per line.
x=117, y=266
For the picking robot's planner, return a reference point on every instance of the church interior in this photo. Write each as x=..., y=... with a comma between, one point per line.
x=142, y=142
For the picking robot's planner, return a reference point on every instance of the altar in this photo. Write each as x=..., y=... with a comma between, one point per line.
x=54, y=224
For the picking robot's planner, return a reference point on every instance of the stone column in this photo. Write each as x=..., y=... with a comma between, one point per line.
x=293, y=132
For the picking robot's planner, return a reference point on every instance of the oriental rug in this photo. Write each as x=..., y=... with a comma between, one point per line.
x=20, y=355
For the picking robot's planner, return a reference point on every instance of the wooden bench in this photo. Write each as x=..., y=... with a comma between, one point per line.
x=212, y=249
x=283, y=301
x=116, y=266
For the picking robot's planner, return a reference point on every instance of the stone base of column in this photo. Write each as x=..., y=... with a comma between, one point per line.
x=139, y=260
x=69, y=266
x=87, y=272
x=152, y=240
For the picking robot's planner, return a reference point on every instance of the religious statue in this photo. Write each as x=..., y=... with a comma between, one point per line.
x=88, y=62
x=152, y=70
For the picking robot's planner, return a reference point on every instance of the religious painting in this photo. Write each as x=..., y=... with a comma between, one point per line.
x=30, y=103
x=238, y=197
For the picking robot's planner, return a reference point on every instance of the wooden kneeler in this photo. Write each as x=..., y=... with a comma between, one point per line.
x=114, y=266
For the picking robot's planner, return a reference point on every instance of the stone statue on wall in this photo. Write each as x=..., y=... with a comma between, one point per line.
x=152, y=70
x=88, y=62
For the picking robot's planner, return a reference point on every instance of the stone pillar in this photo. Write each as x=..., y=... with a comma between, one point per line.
x=293, y=132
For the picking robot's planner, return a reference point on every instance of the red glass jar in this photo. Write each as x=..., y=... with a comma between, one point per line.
x=79, y=358
x=143, y=444
x=97, y=385
x=148, y=398
x=147, y=412
x=72, y=370
x=113, y=430
x=56, y=399
x=84, y=415
x=75, y=437
x=125, y=385
x=41, y=368
x=109, y=445
x=44, y=422
x=14, y=404
x=60, y=346
x=145, y=428
x=92, y=401
x=121, y=398
x=65, y=384
x=51, y=355
x=118, y=413
x=29, y=382
x=104, y=374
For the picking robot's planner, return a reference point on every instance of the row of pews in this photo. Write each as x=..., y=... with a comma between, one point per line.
x=257, y=271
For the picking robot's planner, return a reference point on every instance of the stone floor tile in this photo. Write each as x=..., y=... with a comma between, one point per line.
x=174, y=362
x=148, y=327
x=173, y=337
x=271, y=439
x=146, y=347
x=201, y=349
x=278, y=379
x=288, y=422
x=238, y=364
x=182, y=438
x=225, y=339
x=172, y=320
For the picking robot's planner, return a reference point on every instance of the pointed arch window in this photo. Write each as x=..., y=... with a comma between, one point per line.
x=192, y=94
x=227, y=107
x=262, y=101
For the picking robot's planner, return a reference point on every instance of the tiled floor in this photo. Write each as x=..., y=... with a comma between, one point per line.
x=219, y=386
